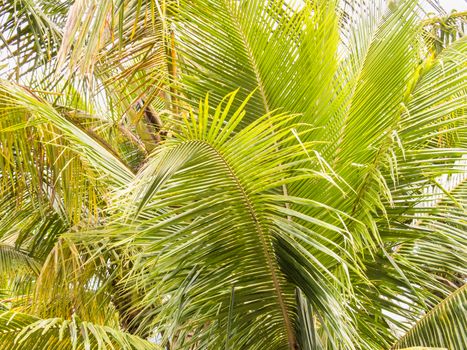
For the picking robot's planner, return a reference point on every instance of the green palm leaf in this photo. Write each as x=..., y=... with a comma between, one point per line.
x=319, y=206
x=23, y=331
x=443, y=326
x=289, y=55
x=209, y=220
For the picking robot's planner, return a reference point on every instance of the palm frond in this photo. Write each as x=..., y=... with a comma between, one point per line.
x=13, y=260
x=30, y=36
x=73, y=281
x=443, y=326
x=440, y=32
x=23, y=331
x=320, y=206
x=203, y=213
x=15, y=99
x=287, y=52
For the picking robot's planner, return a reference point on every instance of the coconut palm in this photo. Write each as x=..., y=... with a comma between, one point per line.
x=221, y=174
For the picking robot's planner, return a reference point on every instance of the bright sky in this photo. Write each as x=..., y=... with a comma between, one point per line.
x=448, y=5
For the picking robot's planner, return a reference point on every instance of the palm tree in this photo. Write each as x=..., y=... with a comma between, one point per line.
x=221, y=174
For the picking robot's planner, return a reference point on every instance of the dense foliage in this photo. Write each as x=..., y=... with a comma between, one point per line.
x=224, y=174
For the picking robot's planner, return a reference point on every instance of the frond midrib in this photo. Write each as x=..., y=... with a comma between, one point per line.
x=249, y=53
x=430, y=314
